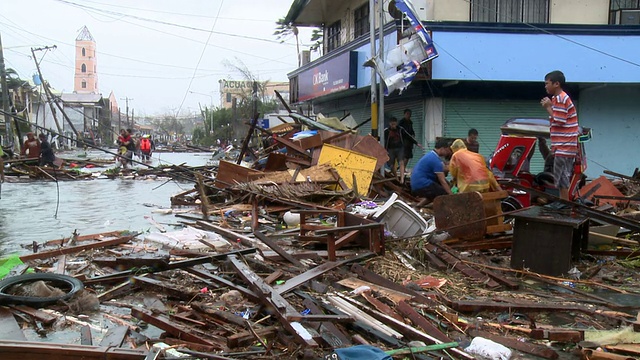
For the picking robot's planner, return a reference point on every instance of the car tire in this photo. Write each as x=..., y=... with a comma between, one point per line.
x=66, y=283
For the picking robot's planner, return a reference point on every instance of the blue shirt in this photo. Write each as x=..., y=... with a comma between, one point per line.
x=424, y=173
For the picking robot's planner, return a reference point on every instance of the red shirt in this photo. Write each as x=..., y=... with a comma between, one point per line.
x=564, y=126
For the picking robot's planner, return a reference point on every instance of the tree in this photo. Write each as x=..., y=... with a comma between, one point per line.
x=284, y=30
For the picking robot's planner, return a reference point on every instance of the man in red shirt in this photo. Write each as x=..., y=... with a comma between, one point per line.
x=31, y=147
x=564, y=129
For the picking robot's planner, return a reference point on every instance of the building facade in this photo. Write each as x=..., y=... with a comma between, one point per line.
x=494, y=55
x=234, y=91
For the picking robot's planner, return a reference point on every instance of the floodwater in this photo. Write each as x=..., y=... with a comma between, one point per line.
x=28, y=208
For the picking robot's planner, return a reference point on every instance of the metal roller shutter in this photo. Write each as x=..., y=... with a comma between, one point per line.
x=487, y=116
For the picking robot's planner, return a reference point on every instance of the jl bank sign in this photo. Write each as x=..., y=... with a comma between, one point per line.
x=336, y=74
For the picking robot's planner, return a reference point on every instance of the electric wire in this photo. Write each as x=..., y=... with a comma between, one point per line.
x=184, y=98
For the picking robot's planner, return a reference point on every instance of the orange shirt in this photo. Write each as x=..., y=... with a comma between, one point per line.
x=564, y=126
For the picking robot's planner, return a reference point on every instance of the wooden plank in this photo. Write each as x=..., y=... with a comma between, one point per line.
x=463, y=268
x=395, y=296
x=328, y=330
x=9, y=328
x=114, y=336
x=27, y=350
x=371, y=276
x=39, y=315
x=78, y=248
x=382, y=307
x=271, y=298
x=229, y=174
x=246, y=338
x=177, y=330
x=224, y=282
x=274, y=276
x=533, y=349
x=172, y=266
x=296, y=281
x=465, y=208
x=415, y=317
x=275, y=247
x=85, y=335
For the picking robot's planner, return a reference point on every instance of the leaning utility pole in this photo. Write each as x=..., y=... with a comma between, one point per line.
x=46, y=92
x=5, y=92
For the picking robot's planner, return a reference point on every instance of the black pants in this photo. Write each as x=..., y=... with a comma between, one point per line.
x=430, y=192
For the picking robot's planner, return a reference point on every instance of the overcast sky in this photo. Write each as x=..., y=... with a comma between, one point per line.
x=152, y=51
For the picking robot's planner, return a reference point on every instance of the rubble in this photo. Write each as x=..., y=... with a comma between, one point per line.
x=243, y=281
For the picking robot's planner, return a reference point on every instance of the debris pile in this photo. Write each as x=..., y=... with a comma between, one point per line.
x=295, y=257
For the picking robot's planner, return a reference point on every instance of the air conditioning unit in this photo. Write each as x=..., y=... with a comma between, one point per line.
x=628, y=17
x=305, y=57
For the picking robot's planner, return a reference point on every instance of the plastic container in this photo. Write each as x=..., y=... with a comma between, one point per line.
x=401, y=220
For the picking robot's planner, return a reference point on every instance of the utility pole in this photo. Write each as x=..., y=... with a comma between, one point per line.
x=46, y=93
x=133, y=120
x=50, y=94
x=372, y=39
x=126, y=99
x=5, y=92
x=381, y=86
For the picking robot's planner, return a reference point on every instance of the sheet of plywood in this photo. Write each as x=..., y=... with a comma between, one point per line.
x=350, y=164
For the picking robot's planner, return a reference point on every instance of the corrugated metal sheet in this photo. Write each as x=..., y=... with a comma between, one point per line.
x=486, y=116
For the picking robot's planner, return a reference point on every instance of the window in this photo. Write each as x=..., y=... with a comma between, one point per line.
x=84, y=52
x=624, y=12
x=83, y=68
x=361, y=21
x=510, y=11
x=84, y=84
x=333, y=36
x=228, y=97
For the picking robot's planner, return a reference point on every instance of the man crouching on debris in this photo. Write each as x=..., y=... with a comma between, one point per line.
x=469, y=170
x=427, y=177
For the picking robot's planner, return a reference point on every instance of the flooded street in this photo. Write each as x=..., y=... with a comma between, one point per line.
x=28, y=209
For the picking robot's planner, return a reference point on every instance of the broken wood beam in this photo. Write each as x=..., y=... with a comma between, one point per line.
x=463, y=268
x=271, y=298
x=415, y=317
x=246, y=338
x=368, y=275
x=328, y=330
x=205, y=275
x=233, y=236
x=279, y=250
x=77, y=249
x=177, y=330
x=28, y=350
x=114, y=336
x=39, y=315
x=172, y=266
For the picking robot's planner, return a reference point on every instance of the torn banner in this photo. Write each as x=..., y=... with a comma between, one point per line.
x=403, y=62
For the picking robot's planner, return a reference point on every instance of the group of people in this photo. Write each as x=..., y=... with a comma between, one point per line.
x=399, y=139
x=469, y=170
x=128, y=146
x=38, y=149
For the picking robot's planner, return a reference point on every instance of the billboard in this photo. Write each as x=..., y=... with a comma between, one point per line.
x=336, y=74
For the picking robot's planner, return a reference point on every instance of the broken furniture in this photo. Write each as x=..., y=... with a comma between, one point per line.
x=546, y=240
x=470, y=215
x=349, y=229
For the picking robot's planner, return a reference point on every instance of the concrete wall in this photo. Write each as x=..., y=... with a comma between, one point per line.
x=90, y=76
x=613, y=114
x=579, y=12
x=451, y=10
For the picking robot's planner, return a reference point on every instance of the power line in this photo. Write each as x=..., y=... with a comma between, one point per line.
x=90, y=8
x=184, y=98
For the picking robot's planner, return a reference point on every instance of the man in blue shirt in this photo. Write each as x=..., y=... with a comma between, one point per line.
x=427, y=177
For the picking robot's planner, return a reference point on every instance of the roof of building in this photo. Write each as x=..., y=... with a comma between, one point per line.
x=81, y=98
x=84, y=35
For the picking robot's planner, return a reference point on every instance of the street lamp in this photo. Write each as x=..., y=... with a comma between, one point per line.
x=210, y=109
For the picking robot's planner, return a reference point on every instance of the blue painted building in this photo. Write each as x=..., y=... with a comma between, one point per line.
x=490, y=71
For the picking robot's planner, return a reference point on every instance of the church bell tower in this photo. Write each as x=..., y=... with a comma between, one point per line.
x=86, y=76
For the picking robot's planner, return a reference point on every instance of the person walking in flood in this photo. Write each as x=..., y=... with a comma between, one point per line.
x=145, y=148
x=31, y=147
